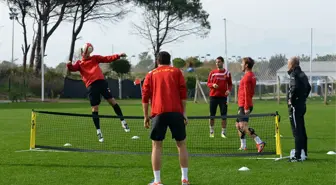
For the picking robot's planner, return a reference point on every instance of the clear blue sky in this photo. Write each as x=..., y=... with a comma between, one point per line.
x=257, y=28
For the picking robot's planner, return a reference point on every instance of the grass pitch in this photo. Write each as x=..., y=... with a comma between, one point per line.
x=99, y=168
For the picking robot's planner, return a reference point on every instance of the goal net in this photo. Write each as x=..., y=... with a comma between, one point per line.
x=201, y=92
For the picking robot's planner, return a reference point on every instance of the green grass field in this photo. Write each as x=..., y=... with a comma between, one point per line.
x=102, y=168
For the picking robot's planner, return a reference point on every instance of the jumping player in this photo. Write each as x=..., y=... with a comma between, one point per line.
x=96, y=84
x=245, y=94
x=220, y=84
x=165, y=87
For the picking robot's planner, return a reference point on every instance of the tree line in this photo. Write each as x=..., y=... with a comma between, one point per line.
x=164, y=21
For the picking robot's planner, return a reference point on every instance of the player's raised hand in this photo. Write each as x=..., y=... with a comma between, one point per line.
x=68, y=72
x=122, y=55
x=146, y=122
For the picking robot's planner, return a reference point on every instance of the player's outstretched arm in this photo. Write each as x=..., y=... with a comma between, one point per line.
x=73, y=67
x=108, y=59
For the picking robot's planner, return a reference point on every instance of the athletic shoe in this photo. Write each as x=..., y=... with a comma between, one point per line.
x=223, y=135
x=294, y=160
x=261, y=147
x=100, y=137
x=185, y=182
x=125, y=126
x=212, y=134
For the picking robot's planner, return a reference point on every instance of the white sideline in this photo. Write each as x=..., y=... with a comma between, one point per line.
x=40, y=150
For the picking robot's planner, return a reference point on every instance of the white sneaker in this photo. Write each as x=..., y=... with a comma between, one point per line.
x=100, y=137
x=125, y=126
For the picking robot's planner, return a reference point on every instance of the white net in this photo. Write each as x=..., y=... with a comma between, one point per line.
x=201, y=92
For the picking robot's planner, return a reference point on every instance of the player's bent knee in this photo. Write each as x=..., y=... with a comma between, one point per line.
x=251, y=130
x=180, y=144
x=237, y=126
x=112, y=101
x=95, y=108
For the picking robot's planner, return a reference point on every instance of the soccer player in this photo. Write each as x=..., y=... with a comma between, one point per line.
x=166, y=89
x=299, y=89
x=96, y=84
x=245, y=94
x=220, y=84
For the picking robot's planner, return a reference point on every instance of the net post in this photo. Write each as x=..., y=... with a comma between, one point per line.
x=196, y=89
x=277, y=135
x=33, y=130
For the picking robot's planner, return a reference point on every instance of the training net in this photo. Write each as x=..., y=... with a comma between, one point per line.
x=76, y=132
x=201, y=92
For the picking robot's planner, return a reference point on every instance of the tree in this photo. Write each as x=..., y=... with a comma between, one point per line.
x=328, y=57
x=194, y=62
x=47, y=12
x=91, y=10
x=179, y=62
x=60, y=68
x=304, y=57
x=145, y=60
x=121, y=67
x=167, y=21
x=276, y=62
x=24, y=6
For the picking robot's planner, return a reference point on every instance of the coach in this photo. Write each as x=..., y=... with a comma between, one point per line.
x=299, y=89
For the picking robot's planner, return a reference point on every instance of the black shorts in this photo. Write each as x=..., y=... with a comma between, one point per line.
x=218, y=101
x=173, y=120
x=96, y=90
x=241, y=112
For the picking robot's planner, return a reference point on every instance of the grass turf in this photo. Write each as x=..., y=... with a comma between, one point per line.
x=99, y=168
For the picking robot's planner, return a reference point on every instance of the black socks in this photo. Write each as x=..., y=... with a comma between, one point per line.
x=118, y=111
x=96, y=120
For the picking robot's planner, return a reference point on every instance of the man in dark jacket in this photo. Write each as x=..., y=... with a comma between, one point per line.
x=299, y=89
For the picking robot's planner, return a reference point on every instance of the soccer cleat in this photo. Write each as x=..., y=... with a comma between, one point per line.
x=100, y=137
x=185, y=182
x=261, y=147
x=125, y=126
x=212, y=134
x=223, y=135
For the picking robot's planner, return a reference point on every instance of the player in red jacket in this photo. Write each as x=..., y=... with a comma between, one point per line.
x=166, y=89
x=245, y=94
x=96, y=84
x=220, y=84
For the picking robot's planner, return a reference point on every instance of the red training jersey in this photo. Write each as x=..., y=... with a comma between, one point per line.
x=89, y=67
x=222, y=78
x=166, y=88
x=246, y=90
